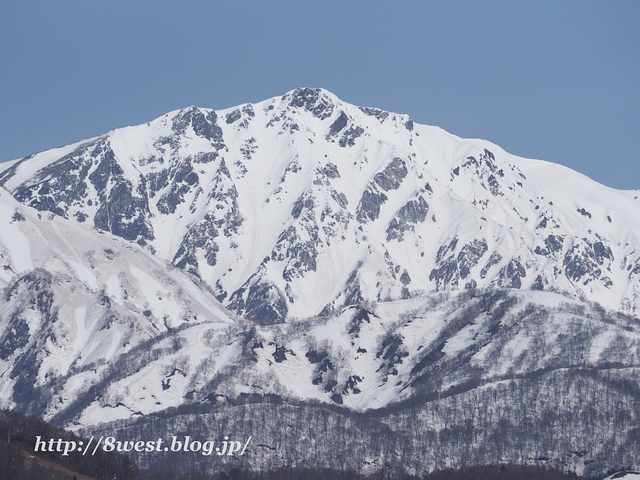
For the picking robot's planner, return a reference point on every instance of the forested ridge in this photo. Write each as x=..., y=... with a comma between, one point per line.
x=18, y=461
x=480, y=472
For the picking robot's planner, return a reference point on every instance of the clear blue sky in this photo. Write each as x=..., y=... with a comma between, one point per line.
x=555, y=80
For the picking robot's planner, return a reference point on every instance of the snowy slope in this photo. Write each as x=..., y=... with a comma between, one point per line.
x=75, y=300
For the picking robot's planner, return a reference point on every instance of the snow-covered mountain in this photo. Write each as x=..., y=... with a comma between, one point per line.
x=301, y=205
x=320, y=253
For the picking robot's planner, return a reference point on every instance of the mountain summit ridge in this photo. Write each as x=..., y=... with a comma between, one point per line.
x=324, y=189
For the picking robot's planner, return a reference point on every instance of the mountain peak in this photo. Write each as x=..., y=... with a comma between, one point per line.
x=258, y=201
